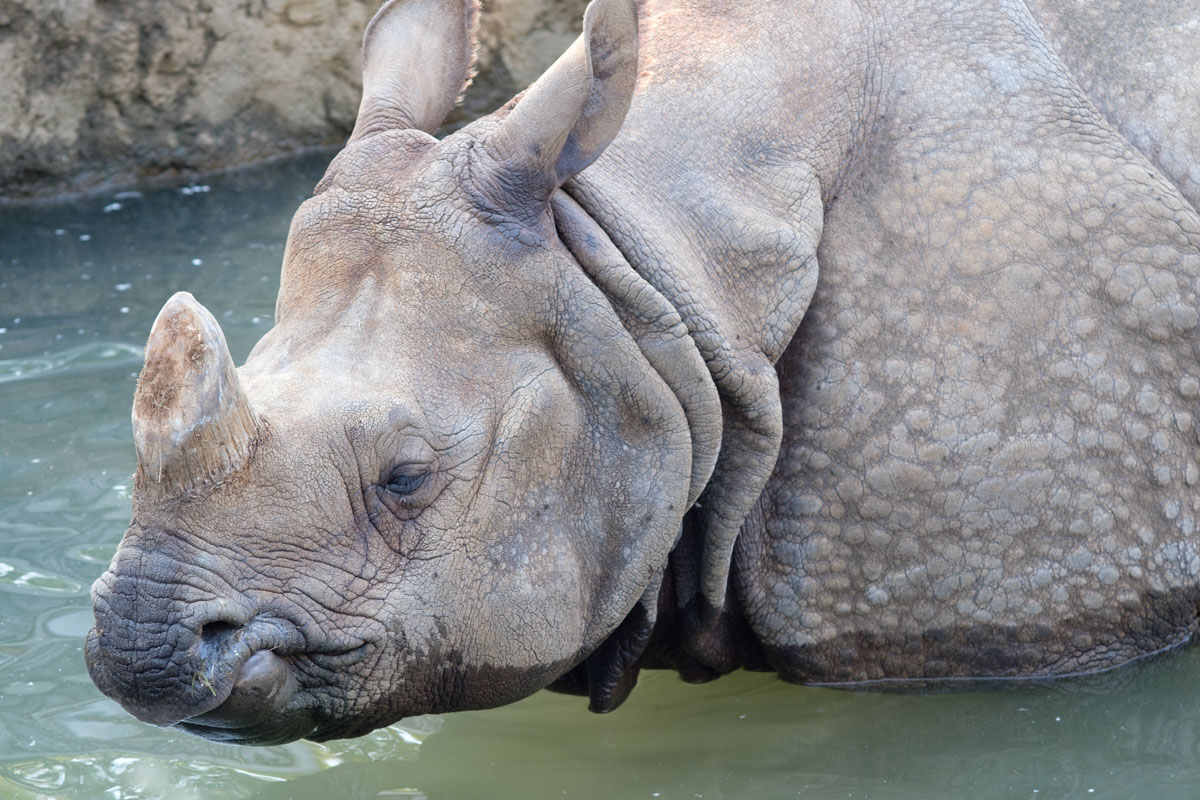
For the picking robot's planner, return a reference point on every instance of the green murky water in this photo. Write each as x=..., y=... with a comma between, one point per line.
x=80, y=285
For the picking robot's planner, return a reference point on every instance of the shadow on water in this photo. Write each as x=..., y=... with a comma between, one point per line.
x=80, y=284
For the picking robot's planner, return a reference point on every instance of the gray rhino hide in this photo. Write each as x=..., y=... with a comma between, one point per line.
x=861, y=348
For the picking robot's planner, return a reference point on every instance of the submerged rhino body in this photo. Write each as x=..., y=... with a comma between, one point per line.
x=846, y=341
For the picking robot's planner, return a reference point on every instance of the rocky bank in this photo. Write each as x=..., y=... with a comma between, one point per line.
x=96, y=92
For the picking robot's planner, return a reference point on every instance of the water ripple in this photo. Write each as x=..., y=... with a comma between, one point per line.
x=75, y=358
x=16, y=576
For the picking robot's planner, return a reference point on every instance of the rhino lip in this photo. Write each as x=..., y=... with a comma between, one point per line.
x=335, y=658
x=287, y=728
x=291, y=719
x=332, y=658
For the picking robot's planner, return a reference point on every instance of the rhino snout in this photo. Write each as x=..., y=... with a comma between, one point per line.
x=166, y=661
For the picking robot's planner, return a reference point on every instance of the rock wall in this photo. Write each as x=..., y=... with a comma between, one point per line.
x=106, y=91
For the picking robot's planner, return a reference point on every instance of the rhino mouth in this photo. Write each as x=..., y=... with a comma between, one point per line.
x=267, y=705
x=233, y=684
x=289, y=728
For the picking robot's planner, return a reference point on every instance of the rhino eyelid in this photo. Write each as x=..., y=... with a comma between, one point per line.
x=406, y=480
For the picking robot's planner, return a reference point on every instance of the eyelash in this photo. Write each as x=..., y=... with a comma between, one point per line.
x=403, y=484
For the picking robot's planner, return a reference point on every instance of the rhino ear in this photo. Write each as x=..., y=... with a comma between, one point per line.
x=418, y=58
x=569, y=115
x=192, y=423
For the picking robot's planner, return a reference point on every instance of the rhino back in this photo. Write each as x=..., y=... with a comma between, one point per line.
x=1137, y=62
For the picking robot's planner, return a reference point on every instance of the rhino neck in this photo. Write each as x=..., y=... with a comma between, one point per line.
x=717, y=201
x=655, y=326
x=682, y=310
x=652, y=637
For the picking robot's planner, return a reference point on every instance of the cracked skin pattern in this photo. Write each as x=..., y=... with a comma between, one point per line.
x=922, y=339
x=429, y=326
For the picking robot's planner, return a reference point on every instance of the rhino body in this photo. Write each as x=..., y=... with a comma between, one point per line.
x=866, y=356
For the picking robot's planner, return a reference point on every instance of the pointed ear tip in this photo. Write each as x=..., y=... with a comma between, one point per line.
x=379, y=14
x=610, y=28
x=431, y=93
x=470, y=9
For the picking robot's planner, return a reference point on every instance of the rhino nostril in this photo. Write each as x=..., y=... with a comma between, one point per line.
x=212, y=633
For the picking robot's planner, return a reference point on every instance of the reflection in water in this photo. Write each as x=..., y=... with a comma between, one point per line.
x=21, y=578
x=76, y=358
x=79, y=289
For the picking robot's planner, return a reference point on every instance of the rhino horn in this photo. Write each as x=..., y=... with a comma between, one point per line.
x=418, y=59
x=569, y=115
x=192, y=422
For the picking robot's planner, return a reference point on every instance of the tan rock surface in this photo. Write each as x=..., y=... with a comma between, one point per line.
x=95, y=92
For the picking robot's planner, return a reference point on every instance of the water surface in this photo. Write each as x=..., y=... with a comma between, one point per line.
x=80, y=284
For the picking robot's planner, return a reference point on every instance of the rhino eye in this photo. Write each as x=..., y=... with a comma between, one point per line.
x=399, y=497
x=404, y=483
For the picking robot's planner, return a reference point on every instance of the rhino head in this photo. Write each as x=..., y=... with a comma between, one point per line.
x=448, y=474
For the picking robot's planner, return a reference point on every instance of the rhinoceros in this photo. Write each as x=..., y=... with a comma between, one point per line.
x=849, y=342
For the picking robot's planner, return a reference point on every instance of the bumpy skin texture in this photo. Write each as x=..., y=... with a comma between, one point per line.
x=988, y=463
x=1136, y=62
x=866, y=351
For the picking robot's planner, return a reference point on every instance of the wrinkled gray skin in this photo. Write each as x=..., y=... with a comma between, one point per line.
x=879, y=284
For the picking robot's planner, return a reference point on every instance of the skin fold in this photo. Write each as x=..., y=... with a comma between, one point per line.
x=852, y=341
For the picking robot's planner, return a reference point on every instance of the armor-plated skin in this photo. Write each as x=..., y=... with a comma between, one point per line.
x=988, y=464
x=860, y=348
x=1136, y=62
